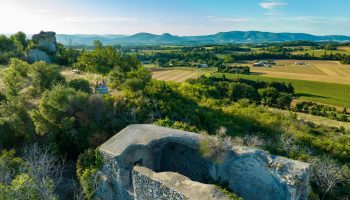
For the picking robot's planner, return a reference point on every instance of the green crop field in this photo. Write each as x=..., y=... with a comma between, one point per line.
x=327, y=93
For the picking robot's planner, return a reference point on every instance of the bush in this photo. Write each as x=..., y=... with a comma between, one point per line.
x=44, y=75
x=80, y=85
x=284, y=100
x=237, y=91
x=235, y=69
x=322, y=110
x=269, y=96
x=88, y=165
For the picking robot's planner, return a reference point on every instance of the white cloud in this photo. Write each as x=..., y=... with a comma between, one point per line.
x=273, y=5
x=43, y=11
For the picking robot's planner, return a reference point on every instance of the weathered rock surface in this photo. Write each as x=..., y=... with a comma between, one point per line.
x=170, y=185
x=46, y=41
x=250, y=173
x=36, y=55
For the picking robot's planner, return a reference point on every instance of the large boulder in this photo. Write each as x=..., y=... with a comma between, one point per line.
x=36, y=55
x=46, y=41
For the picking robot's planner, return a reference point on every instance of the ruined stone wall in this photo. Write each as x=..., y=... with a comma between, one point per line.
x=146, y=188
x=251, y=173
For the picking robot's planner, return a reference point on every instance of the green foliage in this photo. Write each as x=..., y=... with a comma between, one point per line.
x=15, y=123
x=235, y=69
x=10, y=166
x=228, y=193
x=22, y=187
x=80, y=85
x=88, y=165
x=322, y=110
x=89, y=159
x=89, y=181
x=176, y=125
x=16, y=181
x=12, y=47
x=237, y=91
x=44, y=75
x=134, y=84
x=40, y=75
x=103, y=60
x=15, y=76
x=284, y=100
x=2, y=97
x=269, y=96
x=327, y=93
x=74, y=120
x=66, y=56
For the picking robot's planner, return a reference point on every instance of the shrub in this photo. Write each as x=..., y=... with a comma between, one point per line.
x=235, y=69
x=284, y=100
x=80, y=84
x=269, y=95
x=237, y=91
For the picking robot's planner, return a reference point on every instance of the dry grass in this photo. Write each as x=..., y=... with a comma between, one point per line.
x=344, y=48
x=315, y=119
x=177, y=75
x=91, y=77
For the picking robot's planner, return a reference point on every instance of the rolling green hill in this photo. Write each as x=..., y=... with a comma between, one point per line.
x=219, y=38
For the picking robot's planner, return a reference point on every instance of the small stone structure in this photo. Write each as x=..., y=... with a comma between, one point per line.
x=146, y=162
x=45, y=45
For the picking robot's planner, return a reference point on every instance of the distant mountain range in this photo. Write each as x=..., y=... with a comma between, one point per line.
x=219, y=38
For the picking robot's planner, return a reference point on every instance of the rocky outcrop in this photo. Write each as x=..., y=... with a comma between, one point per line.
x=36, y=55
x=45, y=45
x=46, y=41
x=251, y=173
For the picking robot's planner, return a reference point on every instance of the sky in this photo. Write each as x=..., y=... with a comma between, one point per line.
x=179, y=17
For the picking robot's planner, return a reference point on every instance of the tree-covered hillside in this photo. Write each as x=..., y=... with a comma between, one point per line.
x=47, y=120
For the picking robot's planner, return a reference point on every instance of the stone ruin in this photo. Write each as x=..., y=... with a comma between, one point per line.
x=45, y=45
x=148, y=162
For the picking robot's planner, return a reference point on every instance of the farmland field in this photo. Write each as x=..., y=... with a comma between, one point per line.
x=177, y=75
x=321, y=52
x=322, y=92
x=344, y=48
x=323, y=71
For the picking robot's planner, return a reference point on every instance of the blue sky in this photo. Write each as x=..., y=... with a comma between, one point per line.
x=180, y=17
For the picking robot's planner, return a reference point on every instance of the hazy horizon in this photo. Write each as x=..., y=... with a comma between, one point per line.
x=177, y=17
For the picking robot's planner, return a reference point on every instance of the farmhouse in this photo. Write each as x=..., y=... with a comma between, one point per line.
x=299, y=63
x=261, y=64
x=147, y=162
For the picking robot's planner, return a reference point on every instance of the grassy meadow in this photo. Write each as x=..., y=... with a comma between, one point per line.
x=322, y=92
